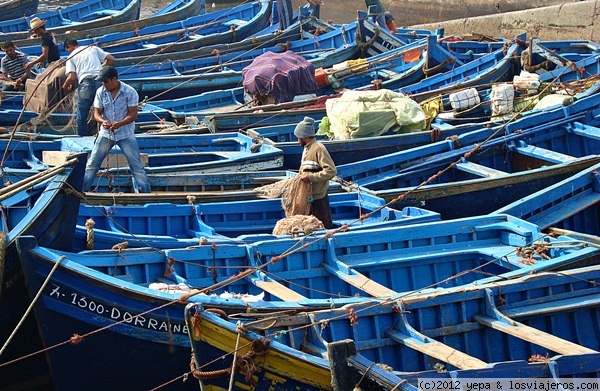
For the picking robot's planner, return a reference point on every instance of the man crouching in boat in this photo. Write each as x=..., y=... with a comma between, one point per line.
x=316, y=168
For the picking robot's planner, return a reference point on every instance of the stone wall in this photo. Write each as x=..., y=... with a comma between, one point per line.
x=575, y=20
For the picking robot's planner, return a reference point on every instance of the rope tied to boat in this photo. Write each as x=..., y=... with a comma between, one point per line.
x=245, y=364
x=233, y=31
x=169, y=267
x=436, y=68
x=284, y=47
x=35, y=299
x=192, y=200
x=89, y=233
x=528, y=253
x=235, y=352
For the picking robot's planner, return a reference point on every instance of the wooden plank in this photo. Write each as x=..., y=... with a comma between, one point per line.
x=479, y=170
x=543, y=154
x=278, y=290
x=113, y=160
x=365, y=284
x=440, y=351
x=535, y=336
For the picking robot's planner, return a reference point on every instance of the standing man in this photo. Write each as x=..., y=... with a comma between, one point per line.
x=115, y=109
x=50, y=52
x=83, y=64
x=13, y=68
x=316, y=168
x=377, y=13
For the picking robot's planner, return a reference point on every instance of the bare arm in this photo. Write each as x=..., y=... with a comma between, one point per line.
x=71, y=77
x=40, y=59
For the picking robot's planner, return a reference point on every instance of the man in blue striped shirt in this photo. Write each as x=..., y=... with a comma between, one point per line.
x=12, y=67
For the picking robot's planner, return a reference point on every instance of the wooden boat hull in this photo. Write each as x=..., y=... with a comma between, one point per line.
x=572, y=204
x=18, y=8
x=173, y=226
x=39, y=210
x=178, y=9
x=89, y=13
x=96, y=289
x=442, y=335
x=227, y=152
x=503, y=171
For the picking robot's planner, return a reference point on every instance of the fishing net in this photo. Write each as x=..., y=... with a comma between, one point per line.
x=294, y=195
x=295, y=200
x=298, y=224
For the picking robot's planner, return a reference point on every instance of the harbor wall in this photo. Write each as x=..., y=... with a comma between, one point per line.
x=574, y=20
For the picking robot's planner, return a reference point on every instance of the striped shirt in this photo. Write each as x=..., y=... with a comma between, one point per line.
x=116, y=109
x=13, y=68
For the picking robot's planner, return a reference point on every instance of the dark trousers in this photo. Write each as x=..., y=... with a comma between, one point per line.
x=321, y=210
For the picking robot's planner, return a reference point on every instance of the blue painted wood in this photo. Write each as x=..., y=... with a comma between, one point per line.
x=31, y=208
x=116, y=282
x=12, y=113
x=176, y=10
x=570, y=204
x=225, y=152
x=466, y=182
x=91, y=13
x=17, y=8
x=397, y=334
x=168, y=226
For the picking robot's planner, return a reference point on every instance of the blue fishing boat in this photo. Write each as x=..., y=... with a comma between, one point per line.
x=176, y=10
x=88, y=14
x=34, y=206
x=500, y=65
x=571, y=204
x=224, y=70
x=13, y=114
x=481, y=171
x=185, y=77
x=356, y=149
x=171, y=226
x=540, y=326
x=225, y=152
x=223, y=26
x=114, y=289
x=12, y=9
x=496, y=66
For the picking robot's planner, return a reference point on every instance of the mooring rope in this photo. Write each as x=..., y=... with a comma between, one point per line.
x=35, y=299
x=235, y=352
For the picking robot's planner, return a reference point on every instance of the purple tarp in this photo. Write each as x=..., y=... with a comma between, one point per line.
x=280, y=75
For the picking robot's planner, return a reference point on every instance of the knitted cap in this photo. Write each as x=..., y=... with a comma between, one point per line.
x=305, y=128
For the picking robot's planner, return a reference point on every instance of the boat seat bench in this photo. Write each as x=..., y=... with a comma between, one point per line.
x=542, y=154
x=439, y=351
x=479, y=170
x=534, y=336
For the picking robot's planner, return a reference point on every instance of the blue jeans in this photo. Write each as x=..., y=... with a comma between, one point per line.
x=379, y=19
x=129, y=148
x=85, y=99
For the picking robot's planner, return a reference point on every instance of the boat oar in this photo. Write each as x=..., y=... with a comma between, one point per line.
x=40, y=177
x=155, y=35
x=591, y=240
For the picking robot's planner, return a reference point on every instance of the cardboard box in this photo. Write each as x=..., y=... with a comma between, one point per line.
x=113, y=160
